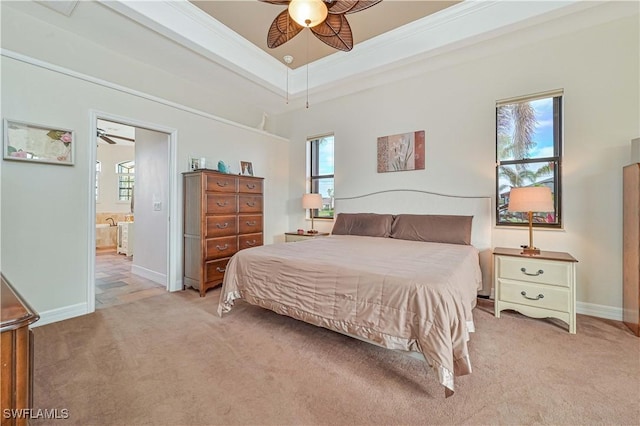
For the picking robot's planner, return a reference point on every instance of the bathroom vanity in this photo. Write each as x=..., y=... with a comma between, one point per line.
x=125, y=238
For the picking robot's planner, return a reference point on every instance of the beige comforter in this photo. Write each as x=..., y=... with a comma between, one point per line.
x=406, y=295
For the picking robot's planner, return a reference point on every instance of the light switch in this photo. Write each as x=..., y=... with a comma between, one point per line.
x=157, y=206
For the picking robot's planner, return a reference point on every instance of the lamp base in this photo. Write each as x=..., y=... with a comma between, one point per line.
x=530, y=251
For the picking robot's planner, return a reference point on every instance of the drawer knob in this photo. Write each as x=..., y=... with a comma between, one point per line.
x=222, y=226
x=219, y=269
x=251, y=185
x=223, y=183
x=251, y=203
x=252, y=223
x=524, y=271
x=524, y=293
x=222, y=203
x=251, y=243
x=224, y=247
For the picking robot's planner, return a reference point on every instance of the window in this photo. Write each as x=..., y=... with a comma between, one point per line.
x=321, y=173
x=529, y=153
x=126, y=178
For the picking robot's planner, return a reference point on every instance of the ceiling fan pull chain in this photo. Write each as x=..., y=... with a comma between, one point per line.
x=308, y=31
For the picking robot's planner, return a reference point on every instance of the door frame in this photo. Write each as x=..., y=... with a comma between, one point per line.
x=173, y=284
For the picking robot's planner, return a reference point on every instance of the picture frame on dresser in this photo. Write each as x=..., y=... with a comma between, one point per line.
x=246, y=168
x=29, y=142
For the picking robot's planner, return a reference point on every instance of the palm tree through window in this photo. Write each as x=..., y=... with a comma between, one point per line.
x=529, y=153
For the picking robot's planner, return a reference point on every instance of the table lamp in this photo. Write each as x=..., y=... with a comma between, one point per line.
x=311, y=202
x=531, y=199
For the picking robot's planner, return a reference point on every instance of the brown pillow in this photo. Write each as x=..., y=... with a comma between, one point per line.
x=363, y=224
x=432, y=228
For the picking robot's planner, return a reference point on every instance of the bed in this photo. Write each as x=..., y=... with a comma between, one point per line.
x=404, y=275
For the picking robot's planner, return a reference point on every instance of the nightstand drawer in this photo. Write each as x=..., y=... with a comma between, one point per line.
x=539, y=296
x=534, y=270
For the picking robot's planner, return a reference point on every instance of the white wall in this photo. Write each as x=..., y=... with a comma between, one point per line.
x=151, y=189
x=109, y=156
x=453, y=100
x=47, y=225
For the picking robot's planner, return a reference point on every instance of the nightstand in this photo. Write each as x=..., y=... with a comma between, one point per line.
x=539, y=286
x=291, y=237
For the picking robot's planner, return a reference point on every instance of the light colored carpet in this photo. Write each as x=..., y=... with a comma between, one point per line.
x=170, y=359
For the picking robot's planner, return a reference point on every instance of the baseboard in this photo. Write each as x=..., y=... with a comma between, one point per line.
x=600, y=311
x=149, y=274
x=60, y=314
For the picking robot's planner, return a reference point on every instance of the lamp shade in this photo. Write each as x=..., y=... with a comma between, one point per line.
x=312, y=201
x=531, y=199
x=308, y=13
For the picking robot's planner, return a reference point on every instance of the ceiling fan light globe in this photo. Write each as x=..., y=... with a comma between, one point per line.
x=308, y=13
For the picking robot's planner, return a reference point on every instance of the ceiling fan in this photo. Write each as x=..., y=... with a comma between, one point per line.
x=325, y=18
x=107, y=137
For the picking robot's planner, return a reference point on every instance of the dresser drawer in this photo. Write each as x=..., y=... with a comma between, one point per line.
x=220, y=183
x=217, y=248
x=249, y=224
x=250, y=186
x=534, y=270
x=249, y=240
x=219, y=226
x=214, y=270
x=250, y=203
x=546, y=297
x=221, y=204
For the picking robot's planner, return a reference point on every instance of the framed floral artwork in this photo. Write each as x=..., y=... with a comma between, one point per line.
x=36, y=143
x=401, y=152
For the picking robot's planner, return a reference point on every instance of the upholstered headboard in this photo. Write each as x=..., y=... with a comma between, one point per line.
x=410, y=201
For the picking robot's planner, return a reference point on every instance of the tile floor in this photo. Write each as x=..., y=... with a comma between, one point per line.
x=115, y=284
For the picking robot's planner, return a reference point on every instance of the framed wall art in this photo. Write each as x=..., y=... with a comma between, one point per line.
x=36, y=143
x=401, y=152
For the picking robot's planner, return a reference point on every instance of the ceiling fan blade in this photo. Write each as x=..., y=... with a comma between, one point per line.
x=279, y=2
x=339, y=7
x=335, y=31
x=282, y=29
x=107, y=139
x=119, y=137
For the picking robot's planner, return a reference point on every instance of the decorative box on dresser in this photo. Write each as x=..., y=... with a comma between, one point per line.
x=223, y=213
x=539, y=286
x=17, y=355
x=631, y=248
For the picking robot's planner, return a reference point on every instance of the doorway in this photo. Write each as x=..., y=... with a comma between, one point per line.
x=134, y=181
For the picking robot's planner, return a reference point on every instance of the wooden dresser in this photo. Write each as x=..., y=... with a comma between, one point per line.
x=17, y=355
x=631, y=247
x=223, y=213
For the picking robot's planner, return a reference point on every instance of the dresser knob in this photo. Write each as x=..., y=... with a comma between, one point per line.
x=223, y=184
x=219, y=269
x=221, y=226
x=224, y=247
x=251, y=203
x=524, y=293
x=222, y=203
x=251, y=243
x=524, y=271
x=252, y=223
x=251, y=185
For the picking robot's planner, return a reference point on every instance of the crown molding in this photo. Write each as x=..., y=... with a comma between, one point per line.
x=382, y=58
